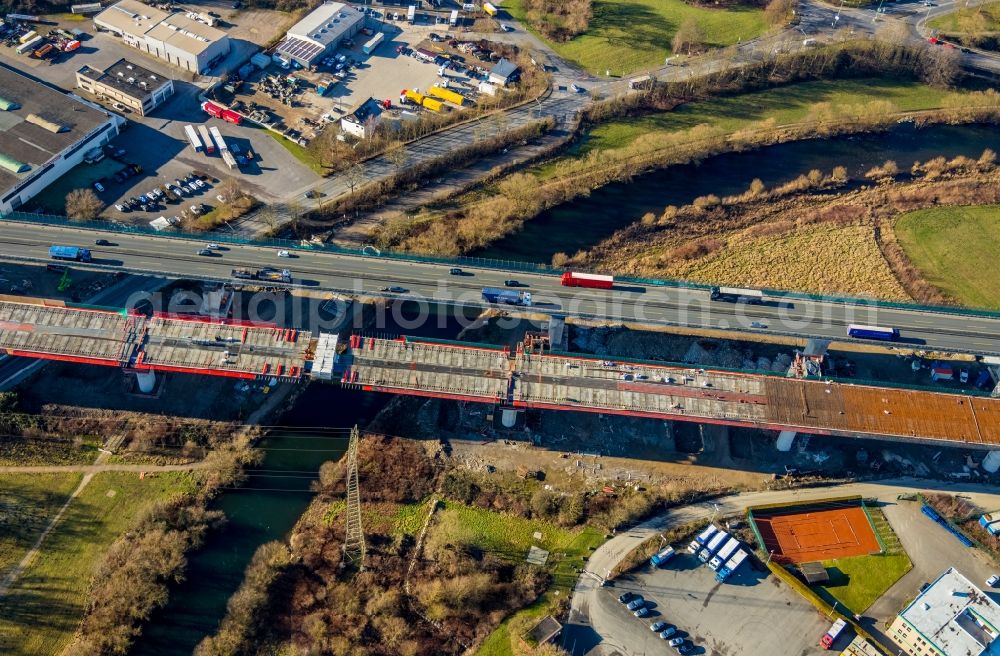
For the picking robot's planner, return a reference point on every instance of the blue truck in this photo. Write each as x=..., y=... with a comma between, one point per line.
x=662, y=556
x=72, y=253
x=506, y=296
x=733, y=564
x=991, y=522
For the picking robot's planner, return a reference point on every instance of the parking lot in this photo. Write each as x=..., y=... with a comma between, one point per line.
x=157, y=142
x=751, y=614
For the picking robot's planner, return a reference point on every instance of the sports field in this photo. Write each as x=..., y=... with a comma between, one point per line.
x=816, y=533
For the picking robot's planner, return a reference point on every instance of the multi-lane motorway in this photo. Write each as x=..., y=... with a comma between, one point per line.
x=651, y=304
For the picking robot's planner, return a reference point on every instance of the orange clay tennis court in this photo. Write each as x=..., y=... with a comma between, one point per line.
x=819, y=534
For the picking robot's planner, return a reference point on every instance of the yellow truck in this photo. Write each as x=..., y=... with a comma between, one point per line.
x=490, y=9
x=433, y=105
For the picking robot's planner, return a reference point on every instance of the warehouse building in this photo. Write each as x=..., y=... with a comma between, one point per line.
x=504, y=72
x=320, y=32
x=178, y=38
x=950, y=617
x=138, y=88
x=43, y=134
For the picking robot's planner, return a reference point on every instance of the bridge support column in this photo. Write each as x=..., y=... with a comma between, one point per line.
x=146, y=381
x=785, y=441
x=991, y=462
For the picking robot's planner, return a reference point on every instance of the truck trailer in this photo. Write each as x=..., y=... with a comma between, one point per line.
x=230, y=160
x=373, y=43
x=733, y=564
x=826, y=642
x=991, y=522
x=592, y=280
x=490, y=9
x=446, y=95
x=717, y=541
x=702, y=539
x=506, y=296
x=193, y=138
x=217, y=138
x=70, y=253
x=724, y=554
x=411, y=14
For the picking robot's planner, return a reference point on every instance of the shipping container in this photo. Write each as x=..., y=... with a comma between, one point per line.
x=724, y=554
x=373, y=43
x=220, y=143
x=28, y=46
x=453, y=20
x=432, y=104
x=212, y=109
x=733, y=564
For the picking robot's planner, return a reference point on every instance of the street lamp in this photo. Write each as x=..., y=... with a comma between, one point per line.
x=770, y=554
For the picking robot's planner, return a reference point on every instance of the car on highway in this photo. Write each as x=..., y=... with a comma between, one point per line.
x=102, y=242
x=626, y=597
x=284, y=254
x=992, y=581
x=455, y=271
x=212, y=247
x=576, y=88
x=207, y=252
x=394, y=290
x=757, y=324
x=511, y=283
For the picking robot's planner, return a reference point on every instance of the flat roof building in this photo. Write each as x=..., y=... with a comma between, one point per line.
x=138, y=88
x=178, y=38
x=320, y=32
x=43, y=134
x=950, y=617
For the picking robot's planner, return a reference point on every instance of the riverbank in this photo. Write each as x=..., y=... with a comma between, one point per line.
x=614, y=153
x=821, y=232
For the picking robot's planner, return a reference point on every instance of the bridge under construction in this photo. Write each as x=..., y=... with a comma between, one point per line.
x=509, y=378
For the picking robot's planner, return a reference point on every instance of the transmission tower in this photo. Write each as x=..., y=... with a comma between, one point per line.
x=354, y=536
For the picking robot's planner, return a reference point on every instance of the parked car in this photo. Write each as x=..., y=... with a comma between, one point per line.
x=625, y=597
x=676, y=642
x=992, y=581
x=668, y=632
x=121, y=208
x=636, y=603
x=98, y=186
x=641, y=612
x=656, y=627
x=963, y=376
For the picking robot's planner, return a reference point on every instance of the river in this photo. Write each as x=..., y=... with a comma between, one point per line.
x=267, y=506
x=584, y=222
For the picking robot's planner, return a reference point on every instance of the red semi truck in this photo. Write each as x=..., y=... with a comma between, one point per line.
x=220, y=112
x=593, y=280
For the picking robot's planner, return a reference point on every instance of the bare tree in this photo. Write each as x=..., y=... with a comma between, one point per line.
x=83, y=204
x=779, y=12
x=688, y=36
x=269, y=217
x=396, y=154
x=354, y=176
x=230, y=189
x=941, y=67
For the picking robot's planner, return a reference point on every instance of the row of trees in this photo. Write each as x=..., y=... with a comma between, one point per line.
x=560, y=20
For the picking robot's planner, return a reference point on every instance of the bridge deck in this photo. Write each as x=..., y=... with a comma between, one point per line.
x=66, y=332
x=651, y=390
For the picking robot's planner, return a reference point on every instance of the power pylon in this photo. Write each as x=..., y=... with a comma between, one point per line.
x=354, y=535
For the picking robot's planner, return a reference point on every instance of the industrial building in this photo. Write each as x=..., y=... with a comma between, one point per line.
x=362, y=122
x=320, y=32
x=43, y=134
x=504, y=72
x=178, y=38
x=138, y=88
x=950, y=617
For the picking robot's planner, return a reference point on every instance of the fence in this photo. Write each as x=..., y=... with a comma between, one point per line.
x=947, y=525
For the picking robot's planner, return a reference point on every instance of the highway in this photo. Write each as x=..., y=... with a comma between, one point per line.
x=355, y=275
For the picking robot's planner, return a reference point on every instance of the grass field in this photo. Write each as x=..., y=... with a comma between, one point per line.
x=953, y=23
x=300, y=153
x=788, y=104
x=955, y=248
x=858, y=581
x=43, y=608
x=510, y=537
x=27, y=504
x=821, y=258
x=629, y=35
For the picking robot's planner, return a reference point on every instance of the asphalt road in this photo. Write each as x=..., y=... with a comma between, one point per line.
x=348, y=274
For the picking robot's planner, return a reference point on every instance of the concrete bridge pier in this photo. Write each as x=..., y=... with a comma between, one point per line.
x=991, y=462
x=146, y=381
